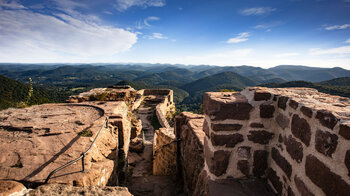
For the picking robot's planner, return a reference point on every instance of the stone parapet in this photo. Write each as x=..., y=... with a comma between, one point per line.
x=297, y=138
x=164, y=152
x=190, y=155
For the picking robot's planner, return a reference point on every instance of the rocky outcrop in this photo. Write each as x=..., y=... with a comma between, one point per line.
x=36, y=140
x=8, y=187
x=61, y=189
x=296, y=138
x=114, y=93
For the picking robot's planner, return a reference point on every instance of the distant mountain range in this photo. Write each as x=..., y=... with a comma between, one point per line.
x=188, y=82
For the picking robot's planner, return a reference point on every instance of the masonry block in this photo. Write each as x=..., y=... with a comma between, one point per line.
x=323, y=177
x=326, y=143
x=217, y=161
x=260, y=162
x=266, y=111
x=281, y=162
x=294, y=148
x=326, y=118
x=226, y=127
x=344, y=131
x=222, y=106
x=301, y=129
x=230, y=140
x=260, y=136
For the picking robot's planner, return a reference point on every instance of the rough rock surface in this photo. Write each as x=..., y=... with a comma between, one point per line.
x=36, y=140
x=8, y=187
x=61, y=189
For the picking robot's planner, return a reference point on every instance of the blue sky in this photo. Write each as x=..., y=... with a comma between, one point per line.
x=216, y=32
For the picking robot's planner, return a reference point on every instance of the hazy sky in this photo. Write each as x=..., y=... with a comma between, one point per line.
x=218, y=32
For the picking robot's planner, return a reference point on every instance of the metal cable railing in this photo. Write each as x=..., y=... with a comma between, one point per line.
x=82, y=156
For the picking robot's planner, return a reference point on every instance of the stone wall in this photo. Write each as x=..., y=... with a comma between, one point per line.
x=190, y=155
x=297, y=138
x=164, y=152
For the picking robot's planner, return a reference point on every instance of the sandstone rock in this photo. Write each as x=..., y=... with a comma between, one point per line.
x=243, y=166
x=217, y=161
x=8, y=187
x=266, y=111
x=260, y=137
x=136, y=145
x=282, y=102
x=326, y=118
x=53, y=136
x=257, y=125
x=61, y=189
x=226, y=140
x=275, y=180
x=344, y=130
x=206, y=128
x=323, y=177
x=293, y=104
x=261, y=96
x=244, y=152
x=326, y=143
x=301, y=129
x=226, y=127
x=347, y=161
x=306, y=111
x=282, y=121
x=221, y=106
x=281, y=162
x=190, y=152
x=302, y=188
x=294, y=148
x=260, y=162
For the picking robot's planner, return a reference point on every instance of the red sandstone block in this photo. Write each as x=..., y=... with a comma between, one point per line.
x=323, y=177
x=301, y=129
x=230, y=140
x=217, y=161
x=281, y=162
x=222, y=106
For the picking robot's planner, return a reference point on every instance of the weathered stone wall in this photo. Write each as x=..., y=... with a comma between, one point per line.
x=164, y=152
x=297, y=138
x=190, y=155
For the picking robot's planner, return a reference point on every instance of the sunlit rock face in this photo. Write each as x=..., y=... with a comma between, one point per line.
x=297, y=138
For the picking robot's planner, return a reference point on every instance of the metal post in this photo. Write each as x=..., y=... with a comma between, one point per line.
x=82, y=163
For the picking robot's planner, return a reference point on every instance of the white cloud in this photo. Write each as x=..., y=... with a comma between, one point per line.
x=155, y=36
x=27, y=36
x=146, y=22
x=149, y=19
x=338, y=27
x=122, y=5
x=11, y=4
x=257, y=11
x=344, y=50
x=242, y=37
x=347, y=41
x=287, y=54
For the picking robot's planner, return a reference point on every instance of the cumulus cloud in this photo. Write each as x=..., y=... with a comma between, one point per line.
x=347, y=41
x=338, y=27
x=344, y=50
x=122, y=5
x=257, y=11
x=155, y=36
x=242, y=37
x=27, y=36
